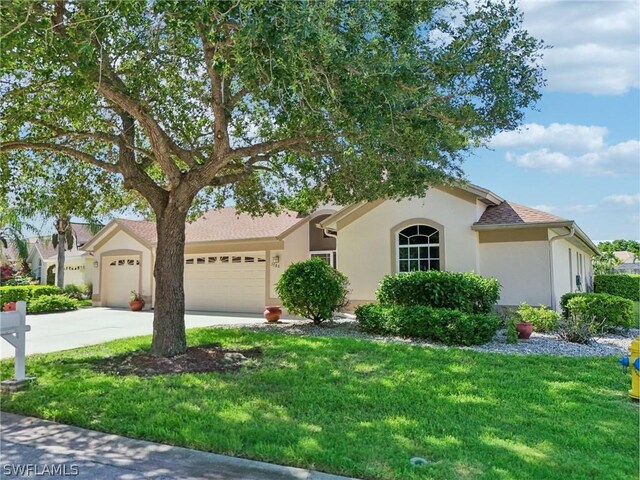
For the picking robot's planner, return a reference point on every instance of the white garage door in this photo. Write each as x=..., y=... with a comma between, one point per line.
x=225, y=282
x=120, y=276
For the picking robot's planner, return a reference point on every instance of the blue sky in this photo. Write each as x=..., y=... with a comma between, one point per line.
x=578, y=154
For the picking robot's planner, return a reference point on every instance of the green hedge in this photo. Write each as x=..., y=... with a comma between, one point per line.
x=51, y=303
x=622, y=285
x=467, y=292
x=451, y=327
x=25, y=292
x=608, y=310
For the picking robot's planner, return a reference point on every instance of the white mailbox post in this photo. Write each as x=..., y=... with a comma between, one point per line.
x=13, y=329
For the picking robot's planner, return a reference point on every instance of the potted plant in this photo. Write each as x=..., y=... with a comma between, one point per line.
x=136, y=303
x=523, y=323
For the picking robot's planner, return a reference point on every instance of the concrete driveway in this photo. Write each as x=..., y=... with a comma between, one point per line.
x=89, y=326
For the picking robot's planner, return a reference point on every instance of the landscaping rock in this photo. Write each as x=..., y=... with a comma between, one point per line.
x=539, y=343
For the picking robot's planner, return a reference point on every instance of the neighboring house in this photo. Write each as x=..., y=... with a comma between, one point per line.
x=628, y=262
x=9, y=255
x=232, y=261
x=78, y=264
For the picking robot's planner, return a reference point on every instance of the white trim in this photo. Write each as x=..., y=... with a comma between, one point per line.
x=331, y=253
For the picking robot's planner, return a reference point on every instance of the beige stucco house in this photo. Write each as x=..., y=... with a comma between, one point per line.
x=232, y=261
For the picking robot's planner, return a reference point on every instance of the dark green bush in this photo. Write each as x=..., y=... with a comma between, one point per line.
x=608, y=311
x=541, y=318
x=313, y=289
x=467, y=292
x=51, y=303
x=622, y=285
x=25, y=292
x=451, y=327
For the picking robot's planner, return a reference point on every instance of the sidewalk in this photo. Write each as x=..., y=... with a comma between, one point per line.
x=43, y=446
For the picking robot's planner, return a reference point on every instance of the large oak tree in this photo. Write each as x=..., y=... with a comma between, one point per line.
x=264, y=103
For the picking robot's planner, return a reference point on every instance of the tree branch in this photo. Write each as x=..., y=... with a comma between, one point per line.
x=221, y=146
x=54, y=147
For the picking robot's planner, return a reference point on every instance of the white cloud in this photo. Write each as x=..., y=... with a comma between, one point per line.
x=566, y=147
x=557, y=135
x=624, y=199
x=595, y=44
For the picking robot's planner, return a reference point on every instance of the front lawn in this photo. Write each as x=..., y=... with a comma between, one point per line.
x=360, y=408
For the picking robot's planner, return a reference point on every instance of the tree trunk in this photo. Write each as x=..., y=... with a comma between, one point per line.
x=169, y=338
x=61, y=228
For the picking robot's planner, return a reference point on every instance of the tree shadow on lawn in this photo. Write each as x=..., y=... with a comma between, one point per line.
x=362, y=408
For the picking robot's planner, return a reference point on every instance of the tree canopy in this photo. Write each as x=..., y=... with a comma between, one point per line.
x=262, y=103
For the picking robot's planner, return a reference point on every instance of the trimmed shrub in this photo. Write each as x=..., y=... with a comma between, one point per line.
x=467, y=292
x=541, y=318
x=42, y=290
x=51, y=303
x=26, y=292
x=313, y=289
x=451, y=327
x=622, y=285
x=579, y=324
x=607, y=311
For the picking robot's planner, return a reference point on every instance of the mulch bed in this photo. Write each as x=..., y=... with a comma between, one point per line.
x=203, y=358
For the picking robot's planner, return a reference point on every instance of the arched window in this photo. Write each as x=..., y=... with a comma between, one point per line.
x=418, y=248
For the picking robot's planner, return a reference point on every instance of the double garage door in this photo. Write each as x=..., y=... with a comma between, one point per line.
x=225, y=282
x=219, y=282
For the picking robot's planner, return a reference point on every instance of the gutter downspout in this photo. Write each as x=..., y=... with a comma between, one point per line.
x=329, y=234
x=552, y=282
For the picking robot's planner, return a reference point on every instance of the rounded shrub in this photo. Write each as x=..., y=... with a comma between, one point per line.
x=313, y=289
x=607, y=311
x=467, y=292
x=51, y=303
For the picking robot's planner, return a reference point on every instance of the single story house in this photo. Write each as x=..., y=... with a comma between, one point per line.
x=628, y=263
x=78, y=263
x=232, y=261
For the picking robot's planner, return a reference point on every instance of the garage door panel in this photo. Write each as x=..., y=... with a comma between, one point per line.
x=121, y=275
x=231, y=283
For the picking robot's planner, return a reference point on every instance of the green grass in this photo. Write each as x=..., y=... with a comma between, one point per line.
x=85, y=303
x=355, y=407
x=636, y=313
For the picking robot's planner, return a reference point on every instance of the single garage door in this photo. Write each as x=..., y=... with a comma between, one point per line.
x=120, y=276
x=225, y=282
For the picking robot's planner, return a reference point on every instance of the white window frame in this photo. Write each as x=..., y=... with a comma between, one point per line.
x=331, y=253
x=424, y=245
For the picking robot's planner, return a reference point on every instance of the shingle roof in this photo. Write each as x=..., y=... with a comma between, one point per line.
x=82, y=232
x=512, y=213
x=144, y=230
x=222, y=225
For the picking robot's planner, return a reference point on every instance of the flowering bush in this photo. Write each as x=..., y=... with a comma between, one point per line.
x=9, y=307
x=6, y=273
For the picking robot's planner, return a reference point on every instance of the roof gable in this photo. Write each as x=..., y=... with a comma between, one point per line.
x=512, y=214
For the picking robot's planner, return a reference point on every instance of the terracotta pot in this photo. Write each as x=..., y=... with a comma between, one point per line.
x=136, y=305
x=272, y=314
x=524, y=330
